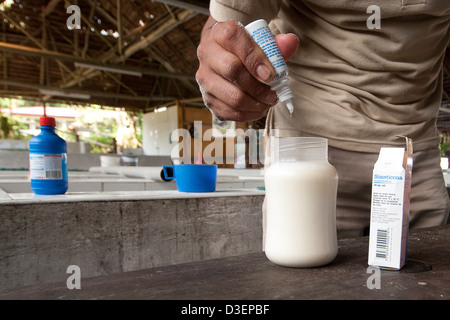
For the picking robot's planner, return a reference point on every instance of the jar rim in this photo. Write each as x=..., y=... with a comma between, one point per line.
x=301, y=148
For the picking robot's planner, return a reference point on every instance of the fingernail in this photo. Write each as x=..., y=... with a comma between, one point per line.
x=271, y=98
x=264, y=73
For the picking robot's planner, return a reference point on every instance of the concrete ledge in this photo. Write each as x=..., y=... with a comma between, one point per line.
x=75, y=161
x=107, y=233
x=122, y=178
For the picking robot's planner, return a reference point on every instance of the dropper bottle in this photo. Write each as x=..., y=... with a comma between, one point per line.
x=261, y=34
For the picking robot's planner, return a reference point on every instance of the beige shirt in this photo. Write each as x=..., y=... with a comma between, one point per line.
x=359, y=87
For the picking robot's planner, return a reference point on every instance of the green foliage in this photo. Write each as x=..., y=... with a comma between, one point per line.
x=101, y=144
x=95, y=125
x=139, y=126
x=11, y=128
x=5, y=127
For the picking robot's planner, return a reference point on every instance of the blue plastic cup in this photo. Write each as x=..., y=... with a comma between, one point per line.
x=192, y=177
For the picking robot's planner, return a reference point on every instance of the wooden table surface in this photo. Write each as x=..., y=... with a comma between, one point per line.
x=254, y=277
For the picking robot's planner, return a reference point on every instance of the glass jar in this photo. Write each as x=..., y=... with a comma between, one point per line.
x=301, y=190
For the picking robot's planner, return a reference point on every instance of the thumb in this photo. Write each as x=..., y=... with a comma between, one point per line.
x=288, y=44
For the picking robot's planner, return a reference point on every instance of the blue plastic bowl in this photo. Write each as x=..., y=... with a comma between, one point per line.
x=192, y=177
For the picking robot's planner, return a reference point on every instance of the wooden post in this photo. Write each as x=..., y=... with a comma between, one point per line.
x=180, y=113
x=5, y=57
x=44, y=46
x=119, y=27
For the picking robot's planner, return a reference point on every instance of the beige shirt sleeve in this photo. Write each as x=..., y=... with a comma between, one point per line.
x=244, y=11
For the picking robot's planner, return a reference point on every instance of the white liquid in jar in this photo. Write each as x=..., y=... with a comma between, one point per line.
x=301, y=213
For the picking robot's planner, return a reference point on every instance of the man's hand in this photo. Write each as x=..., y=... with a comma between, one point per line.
x=234, y=72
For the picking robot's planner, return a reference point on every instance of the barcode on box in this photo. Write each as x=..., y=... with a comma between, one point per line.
x=382, y=243
x=54, y=174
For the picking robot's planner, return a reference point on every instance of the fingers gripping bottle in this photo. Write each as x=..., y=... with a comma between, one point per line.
x=260, y=32
x=301, y=190
x=48, y=160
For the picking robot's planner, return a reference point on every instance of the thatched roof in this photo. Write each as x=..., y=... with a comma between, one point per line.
x=134, y=54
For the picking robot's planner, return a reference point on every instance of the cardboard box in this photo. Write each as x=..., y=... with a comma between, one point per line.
x=389, y=216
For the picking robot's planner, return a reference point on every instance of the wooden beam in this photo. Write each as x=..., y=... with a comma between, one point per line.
x=92, y=27
x=8, y=47
x=50, y=7
x=44, y=46
x=86, y=36
x=158, y=56
x=117, y=23
x=62, y=71
x=119, y=28
x=76, y=43
x=445, y=94
x=61, y=35
x=185, y=5
x=170, y=11
x=35, y=32
x=80, y=77
x=163, y=29
x=33, y=39
x=120, y=83
x=16, y=25
x=5, y=57
x=180, y=113
x=111, y=56
x=103, y=12
x=101, y=94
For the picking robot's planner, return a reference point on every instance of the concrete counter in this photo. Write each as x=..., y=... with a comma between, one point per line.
x=253, y=279
x=110, y=232
x=122, y=178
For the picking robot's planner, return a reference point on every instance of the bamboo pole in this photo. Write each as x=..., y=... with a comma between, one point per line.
x=119, y=28
x=9, y=47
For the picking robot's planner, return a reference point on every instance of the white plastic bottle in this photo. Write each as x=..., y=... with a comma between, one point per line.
x=301, y=189
x=260, y=32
